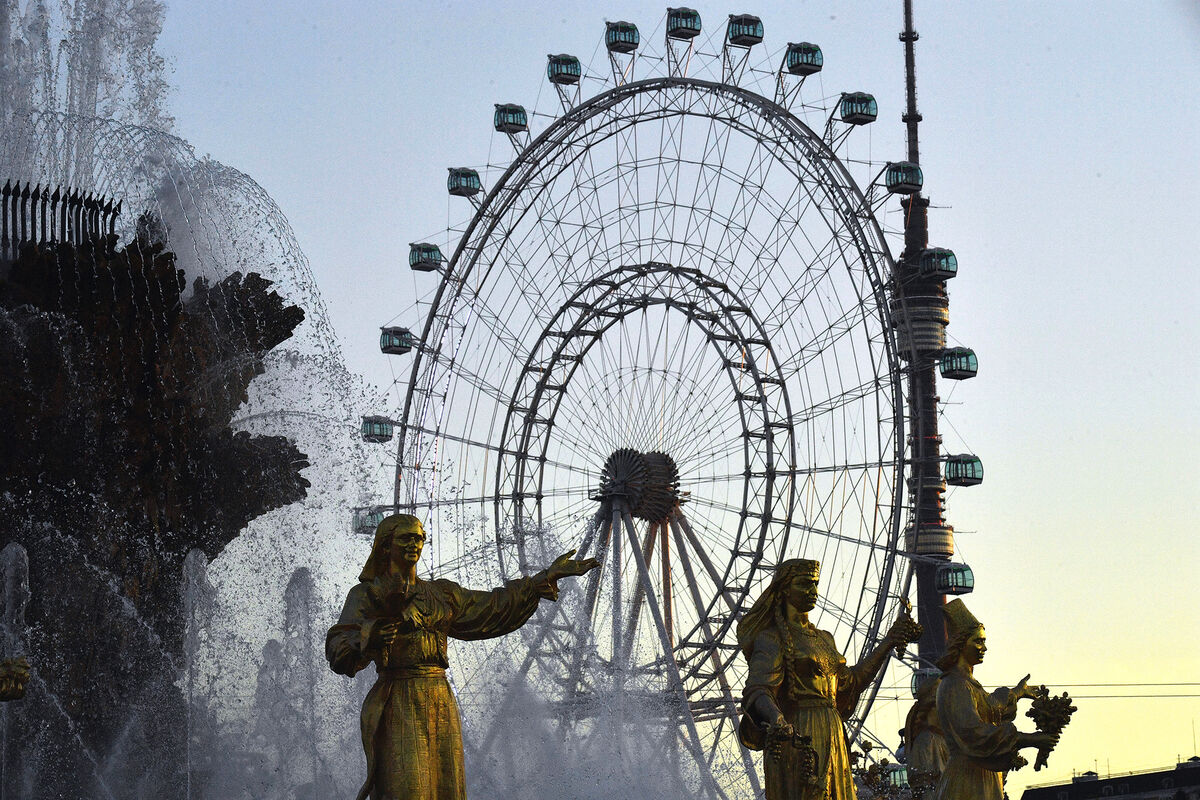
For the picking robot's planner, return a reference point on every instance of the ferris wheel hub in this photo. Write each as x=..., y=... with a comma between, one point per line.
x=647, y=482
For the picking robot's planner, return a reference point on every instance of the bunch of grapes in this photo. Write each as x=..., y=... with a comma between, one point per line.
x=1051, y=714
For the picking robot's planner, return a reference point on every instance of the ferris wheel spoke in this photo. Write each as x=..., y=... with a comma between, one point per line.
x=564, y=435
x=840, y=537
x=721, y=417
x=493, y=448
x=587, y=167
x=715, y=153
x=627, y=190
x=678, y=520
x=699, y=461
x=821, y=344
x=840, y=614
x=744, y=204
x=653, y=345
x=796, y=294
x=837, y=402
x=666, y=207
x=682, y=351
x=581, y=491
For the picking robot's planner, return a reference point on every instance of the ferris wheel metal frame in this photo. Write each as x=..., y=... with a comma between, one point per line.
x=759, y=377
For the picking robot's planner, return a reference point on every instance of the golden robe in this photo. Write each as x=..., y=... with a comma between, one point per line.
x=411, y=731
x=814, y=690
x=925, y=749
x=979, y=735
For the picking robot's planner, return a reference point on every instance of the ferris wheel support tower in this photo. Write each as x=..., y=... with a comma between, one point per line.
x=928, y=537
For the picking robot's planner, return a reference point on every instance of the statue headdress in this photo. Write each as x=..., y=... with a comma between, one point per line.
x=377, y=562
x=762, y=613
x=960, y=623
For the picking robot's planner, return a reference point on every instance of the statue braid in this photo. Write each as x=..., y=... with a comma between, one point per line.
x=785, y=633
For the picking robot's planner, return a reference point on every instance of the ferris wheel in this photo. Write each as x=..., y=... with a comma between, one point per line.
x=666, y=338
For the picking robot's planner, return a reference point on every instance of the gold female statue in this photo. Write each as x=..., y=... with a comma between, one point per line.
x=410, y=725
x=925, y=749
x=14, y=674
x=799, y=686
x=980, y=735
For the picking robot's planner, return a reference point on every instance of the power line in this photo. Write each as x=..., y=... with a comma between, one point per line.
x=903, y=698
x=1089, y=685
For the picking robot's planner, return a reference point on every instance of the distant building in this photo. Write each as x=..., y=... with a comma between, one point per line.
x=1180, y=783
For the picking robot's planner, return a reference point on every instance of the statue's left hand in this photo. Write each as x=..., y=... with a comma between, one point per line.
x=564, y=566
x=1023, y=689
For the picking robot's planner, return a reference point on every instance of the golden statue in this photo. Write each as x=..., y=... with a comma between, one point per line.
x=410, y=725
x=925, y=748
x=980, y=735
x=14, y=674
x=799, y=689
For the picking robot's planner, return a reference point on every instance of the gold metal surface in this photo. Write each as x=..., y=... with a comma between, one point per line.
x=980, y=736
x=14, y=674
x=411, y=731
x=799, y=687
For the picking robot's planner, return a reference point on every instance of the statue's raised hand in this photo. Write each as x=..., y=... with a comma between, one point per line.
x=564, y=566
x=905, y=629
x=1023, y=689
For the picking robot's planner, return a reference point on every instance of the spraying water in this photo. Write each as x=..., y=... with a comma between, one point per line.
x=82, y=106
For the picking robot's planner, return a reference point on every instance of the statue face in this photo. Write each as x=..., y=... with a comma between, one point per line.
x=802, y=592
x=976, y=647
x=407, y=545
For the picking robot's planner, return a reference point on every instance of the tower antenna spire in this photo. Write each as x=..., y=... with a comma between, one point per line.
x=911, y=116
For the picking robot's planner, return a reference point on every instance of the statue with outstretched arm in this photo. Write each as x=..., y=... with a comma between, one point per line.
x=980, y=735
x=799, y=689
x=411, y=731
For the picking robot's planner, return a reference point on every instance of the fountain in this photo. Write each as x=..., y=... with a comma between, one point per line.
x=162, y=385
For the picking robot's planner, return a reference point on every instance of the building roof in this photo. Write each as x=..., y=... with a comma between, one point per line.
x=1182, y=777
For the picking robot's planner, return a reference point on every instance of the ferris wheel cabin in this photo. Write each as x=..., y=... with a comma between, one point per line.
x=510, y=118
x=858, y=108
x=954, y=579
x=377, y=429
x=683, y=23
x=964, y=470
x=744, y=30
x=396, y=341
x=563, y=69
x=903, y=177
x=425, y=257
x=803, y=58
x=937, y=263
x=959, y=363
x=921, y=677
x=463, y=182
x=365, y=520
x=621, y=37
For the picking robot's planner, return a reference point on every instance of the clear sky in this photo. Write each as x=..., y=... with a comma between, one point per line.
x=1059, y=148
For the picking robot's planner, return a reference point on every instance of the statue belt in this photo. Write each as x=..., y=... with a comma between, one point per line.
x=413, y=671
x=808, y=701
